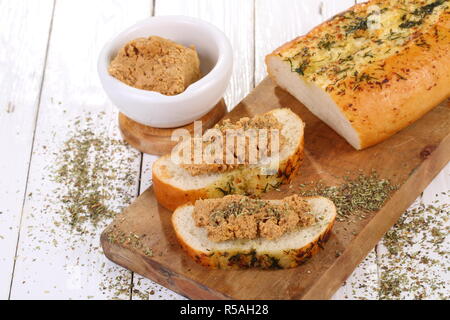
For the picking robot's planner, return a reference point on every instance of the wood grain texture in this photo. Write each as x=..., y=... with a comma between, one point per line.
x=53, y=261
x=401, y=159
x=22, y=66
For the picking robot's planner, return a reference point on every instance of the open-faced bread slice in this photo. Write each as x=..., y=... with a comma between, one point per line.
x=287, y=251
x=175, y=186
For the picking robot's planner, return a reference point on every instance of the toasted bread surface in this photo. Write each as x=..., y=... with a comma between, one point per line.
x=372, y=70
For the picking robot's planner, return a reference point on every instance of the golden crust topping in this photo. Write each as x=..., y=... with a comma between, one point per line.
x=337, y=54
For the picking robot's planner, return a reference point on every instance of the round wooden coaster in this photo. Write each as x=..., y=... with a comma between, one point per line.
x=157, y=141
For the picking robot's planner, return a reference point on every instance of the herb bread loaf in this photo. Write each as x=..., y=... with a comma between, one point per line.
x=372, y=70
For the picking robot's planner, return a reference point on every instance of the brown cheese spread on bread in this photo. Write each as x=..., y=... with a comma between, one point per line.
x=240, y=217
x=243, y=127
x=371, y=70
x=288, y=251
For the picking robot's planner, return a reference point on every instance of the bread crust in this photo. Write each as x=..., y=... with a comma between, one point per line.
x=414, y=81
x=251, y=259
x=171, y=197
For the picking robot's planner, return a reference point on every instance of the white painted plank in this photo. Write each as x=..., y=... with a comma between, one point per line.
x=277, y=22
x=332, y=7
x=413, y=256
x=280, y=21
x=235, y=18
x=363, y=282
x=53, y=260
x=438, y=189
x=24, y=30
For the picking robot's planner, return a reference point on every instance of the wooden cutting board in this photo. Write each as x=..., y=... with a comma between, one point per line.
x=411, y=158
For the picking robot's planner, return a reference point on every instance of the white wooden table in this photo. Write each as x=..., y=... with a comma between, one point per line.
x=48, y=79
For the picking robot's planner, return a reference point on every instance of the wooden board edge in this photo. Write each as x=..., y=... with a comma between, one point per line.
x=153, y=270
x=343, y=267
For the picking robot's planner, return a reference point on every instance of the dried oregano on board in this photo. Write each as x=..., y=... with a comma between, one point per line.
x=365, y=193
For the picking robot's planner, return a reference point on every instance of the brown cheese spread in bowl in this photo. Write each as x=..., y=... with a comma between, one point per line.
x=156, y=64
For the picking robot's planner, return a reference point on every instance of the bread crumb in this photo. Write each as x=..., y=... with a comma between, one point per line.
x=156, y=64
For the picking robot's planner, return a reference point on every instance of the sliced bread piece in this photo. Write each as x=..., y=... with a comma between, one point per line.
x=174, y=186
x=287, y=251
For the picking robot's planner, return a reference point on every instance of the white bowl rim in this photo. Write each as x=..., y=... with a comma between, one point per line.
x=222, y=66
